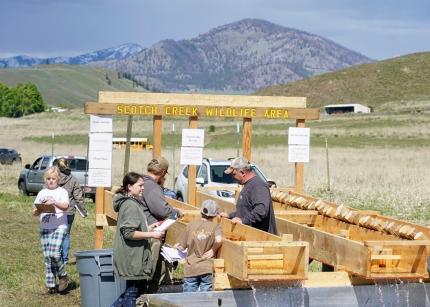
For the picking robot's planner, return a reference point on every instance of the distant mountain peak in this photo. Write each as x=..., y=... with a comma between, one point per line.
x=241, y=56
x=114, y=53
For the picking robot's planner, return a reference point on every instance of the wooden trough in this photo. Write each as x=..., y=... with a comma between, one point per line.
x=247, y=255
x=370, y=246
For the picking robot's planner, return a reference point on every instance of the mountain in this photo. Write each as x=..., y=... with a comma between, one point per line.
x=242, y=56
x=114, y=53
x=68, y=85
x=398, y=81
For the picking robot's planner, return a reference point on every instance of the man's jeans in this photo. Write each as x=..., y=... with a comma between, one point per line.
x=66, y=243
x=192, y=284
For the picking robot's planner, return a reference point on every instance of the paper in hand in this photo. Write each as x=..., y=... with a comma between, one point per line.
x=164, y=225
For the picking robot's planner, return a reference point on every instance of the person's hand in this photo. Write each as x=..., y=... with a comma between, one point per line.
x=180, y=213
x=209, y=254
x=223, y=214
x=236, y=220
x=36, y=212
x=178, y=246
x=152, y=226
x=158, y=235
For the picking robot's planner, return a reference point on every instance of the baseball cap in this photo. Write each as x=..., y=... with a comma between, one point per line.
x=209, y=208
x=237, y=163
x=158, y=164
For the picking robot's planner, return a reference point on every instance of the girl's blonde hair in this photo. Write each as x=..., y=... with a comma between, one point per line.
x=52, y=171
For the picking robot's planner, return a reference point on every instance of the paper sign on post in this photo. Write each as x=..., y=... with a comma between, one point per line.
x=193, y=137
x=191, y=155
x=99, y=177
x=100, y=159
x=101, y=141
x=298, y=136
x=101, y=123
x=298, y=153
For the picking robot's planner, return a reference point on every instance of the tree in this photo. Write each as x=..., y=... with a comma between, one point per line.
x=22, y=100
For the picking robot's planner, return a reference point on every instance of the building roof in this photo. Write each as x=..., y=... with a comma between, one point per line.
x=344, y=105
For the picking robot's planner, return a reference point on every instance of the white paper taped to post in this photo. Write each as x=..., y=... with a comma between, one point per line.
x=193, y=141
x=99, y=177
x=191, y=155
x=193, y=137
x=298, y=144
x=101, y=123
x=100, y=151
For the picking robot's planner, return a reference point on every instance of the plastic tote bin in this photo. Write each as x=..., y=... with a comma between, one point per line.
x=99, y=285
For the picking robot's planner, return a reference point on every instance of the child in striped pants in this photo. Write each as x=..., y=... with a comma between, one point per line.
x=50, y=204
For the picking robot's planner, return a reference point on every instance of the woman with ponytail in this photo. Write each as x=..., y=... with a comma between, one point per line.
x=131, y=249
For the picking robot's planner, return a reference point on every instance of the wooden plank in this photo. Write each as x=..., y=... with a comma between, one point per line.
x=398, y=243
x=236, y=255
x=99, y=210
x=385, y=257
x=247, y=138
x=308, y=217
x=327, y=279
x=299, y=167
x=201, y=99
x=214, y=111
x=127, y=145
x=266, y=257
x=192, y=124
x=101, y=220
x=223, y=281
x=157, y=131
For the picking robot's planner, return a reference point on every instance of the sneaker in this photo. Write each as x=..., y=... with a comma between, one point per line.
x=51, y=291
x=63, y=284
x=81, y=210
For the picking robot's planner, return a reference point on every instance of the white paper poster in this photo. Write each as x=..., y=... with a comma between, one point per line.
x=100, y=123
x=193, y=137
x=100, y=159
x=99, y=177
x=298, y=153
x=191, y=155
x=298, y=136
x=100, y=141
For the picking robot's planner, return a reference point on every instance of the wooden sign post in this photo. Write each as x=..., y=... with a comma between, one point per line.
x=194, y=106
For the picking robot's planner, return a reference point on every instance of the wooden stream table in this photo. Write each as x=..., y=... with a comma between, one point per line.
x=246, y=254
x=355, y=248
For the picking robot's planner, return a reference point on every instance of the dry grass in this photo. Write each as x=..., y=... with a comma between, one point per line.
x=393, y=180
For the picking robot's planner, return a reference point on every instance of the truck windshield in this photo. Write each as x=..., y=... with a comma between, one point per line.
x=218, y=175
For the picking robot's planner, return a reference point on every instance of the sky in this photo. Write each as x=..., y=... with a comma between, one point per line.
x=378, y=29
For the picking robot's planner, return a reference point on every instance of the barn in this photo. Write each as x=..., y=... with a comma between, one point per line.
x=346, y=108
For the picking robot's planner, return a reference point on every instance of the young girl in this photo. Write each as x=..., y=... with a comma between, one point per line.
x=53, y=228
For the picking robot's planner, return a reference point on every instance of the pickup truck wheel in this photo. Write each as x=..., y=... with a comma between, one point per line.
x=23, y=188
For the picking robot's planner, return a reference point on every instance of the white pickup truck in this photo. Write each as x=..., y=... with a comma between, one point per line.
x=31, y=177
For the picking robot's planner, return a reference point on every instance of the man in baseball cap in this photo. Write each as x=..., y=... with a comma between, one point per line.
x=254, y=205
x=157, y=209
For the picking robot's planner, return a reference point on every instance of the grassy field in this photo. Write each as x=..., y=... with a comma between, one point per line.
x=21, y=260
x=378, y=161
x=67, y=85
x=401, y=79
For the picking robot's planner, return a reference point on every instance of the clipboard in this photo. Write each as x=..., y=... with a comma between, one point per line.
x=44, y=208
